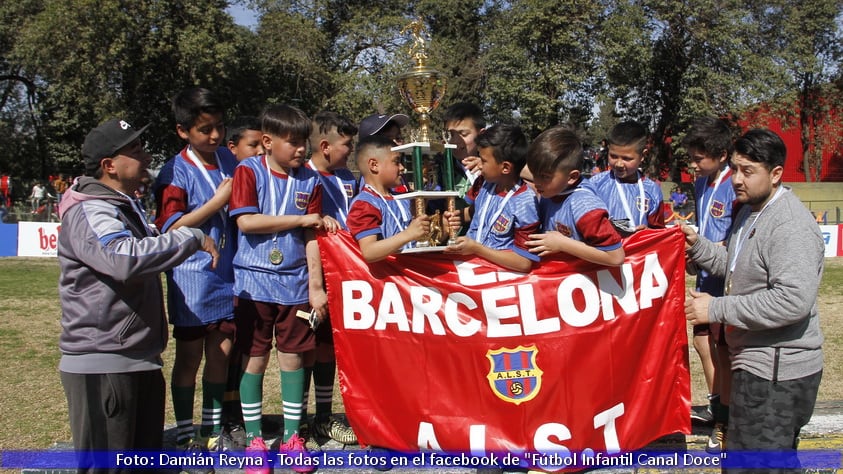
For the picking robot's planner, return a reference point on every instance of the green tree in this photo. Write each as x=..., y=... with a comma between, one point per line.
x=539, y=61
x=803, y=40
x=95, y=59
x=667, y=61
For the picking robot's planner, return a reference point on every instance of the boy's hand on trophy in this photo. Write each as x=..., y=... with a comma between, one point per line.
x=454, y=219
x=419, y=227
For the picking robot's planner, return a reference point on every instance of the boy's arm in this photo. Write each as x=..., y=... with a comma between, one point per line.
x=316, y=287
x=505, y=258
x=554, y=242
x=374, y=250
x=198, y=216
x=266, y=224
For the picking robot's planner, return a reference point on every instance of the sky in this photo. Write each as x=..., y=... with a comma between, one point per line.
x=243, y=16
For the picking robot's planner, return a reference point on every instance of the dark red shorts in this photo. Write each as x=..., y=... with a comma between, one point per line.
x=192, y=333
x=258, y=321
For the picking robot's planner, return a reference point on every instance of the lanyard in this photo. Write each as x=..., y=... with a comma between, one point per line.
x=481, y=224
x=705, y=216
x=222, y=212
x=743, y=236
x=274, y=211
x=625, y=203
x=404, y=217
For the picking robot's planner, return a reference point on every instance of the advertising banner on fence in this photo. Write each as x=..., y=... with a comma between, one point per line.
x=448, y=353
x=38, y=239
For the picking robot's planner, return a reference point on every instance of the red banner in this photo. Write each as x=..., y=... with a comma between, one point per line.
x=440, y=352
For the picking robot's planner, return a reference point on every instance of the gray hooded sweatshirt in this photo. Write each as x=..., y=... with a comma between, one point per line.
x=771, y=317
x=110, y=284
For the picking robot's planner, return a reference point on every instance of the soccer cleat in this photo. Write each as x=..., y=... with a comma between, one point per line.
x=295, y=447
x=335, y=428
x=717, y=441
x=196, y=447
x=310, y=441
x=702, y=414
x=219, y=443
x=257, y=457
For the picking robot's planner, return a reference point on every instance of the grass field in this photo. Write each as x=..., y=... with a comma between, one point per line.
x=32, y=403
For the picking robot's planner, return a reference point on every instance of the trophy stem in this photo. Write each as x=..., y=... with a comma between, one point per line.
x=424, y=127
x=420, y=204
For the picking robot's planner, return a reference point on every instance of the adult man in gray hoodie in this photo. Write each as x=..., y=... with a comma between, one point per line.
x=113, y=324
x=773, y=265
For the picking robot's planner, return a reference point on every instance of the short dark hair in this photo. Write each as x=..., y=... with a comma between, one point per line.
x=192, y=102
x=465, y=110
x=508, y=143
x=762, y=146
x=710, y=135
x=557, y=148
x=326, y=120
x=628, y=133
x=285, y=121
x=373, y=141
x=234, y=130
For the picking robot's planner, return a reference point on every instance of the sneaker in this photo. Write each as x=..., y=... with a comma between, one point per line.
x=219, y=443
x=310, y=441
x=717, y=441
x=295, y=448
x=702, y=414
x=336, y=428
x=196, y=447
x=259, y=454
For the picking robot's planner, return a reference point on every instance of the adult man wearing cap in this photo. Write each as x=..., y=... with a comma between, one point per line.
x=113, y=324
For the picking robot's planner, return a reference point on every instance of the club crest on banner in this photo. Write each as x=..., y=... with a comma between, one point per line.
x=717, y=209
x=513, y=375
x=301, y=200
x=349, y=190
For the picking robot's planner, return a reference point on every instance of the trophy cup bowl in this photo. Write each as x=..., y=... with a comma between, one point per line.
x=422, y=89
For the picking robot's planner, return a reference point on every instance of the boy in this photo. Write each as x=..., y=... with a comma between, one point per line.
x=381, y=224
x=709, y=146
x=113, y=330
x=574, y=219
x=330, y=144
x=385, y=125
x=243, y=137
x=502, y=208
x=465, y=120
x=634, y=201
x=193, y=190
x=276, y=203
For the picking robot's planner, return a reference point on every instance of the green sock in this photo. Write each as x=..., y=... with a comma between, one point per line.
x=251, y=401
x=183, y=411
x=212, y=398
x=323, y=378
x=292, y=384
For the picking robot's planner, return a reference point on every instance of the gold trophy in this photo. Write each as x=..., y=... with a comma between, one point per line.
x=422, y=88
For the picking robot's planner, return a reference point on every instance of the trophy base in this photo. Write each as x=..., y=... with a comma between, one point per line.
x=433, y=248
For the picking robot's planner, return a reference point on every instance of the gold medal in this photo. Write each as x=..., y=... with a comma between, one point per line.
x=729, y=285
x=276, y=257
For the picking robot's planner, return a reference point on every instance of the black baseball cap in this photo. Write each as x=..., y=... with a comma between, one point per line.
x=374, y=123
x=105, y=140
